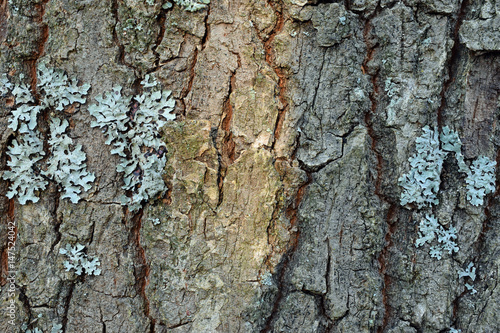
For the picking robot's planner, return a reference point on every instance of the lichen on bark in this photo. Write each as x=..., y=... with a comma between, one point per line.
x=294, y=120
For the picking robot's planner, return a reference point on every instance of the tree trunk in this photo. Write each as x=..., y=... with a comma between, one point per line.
x=294, y=121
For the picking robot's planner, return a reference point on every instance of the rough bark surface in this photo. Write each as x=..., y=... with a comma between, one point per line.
x=294, y=121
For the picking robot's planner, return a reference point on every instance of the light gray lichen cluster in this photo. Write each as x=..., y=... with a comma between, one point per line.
x=29, y=172
x=5, y=84
x=80, y=261
x=430, y=229
x=480, y=180
x=24, y=154
x=131, y=124
x=65, y=166
x=192, y=5
x=56, y=328
x=469, y=272
x=421, y=184
x=133, y=132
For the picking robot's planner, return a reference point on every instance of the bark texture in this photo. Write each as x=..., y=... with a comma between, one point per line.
x=295, y=119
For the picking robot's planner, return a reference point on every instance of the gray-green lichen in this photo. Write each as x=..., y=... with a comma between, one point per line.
x=24, y=154
x=29, y=172
x=133, y=132
x=422, y=184
x=80, y=261
x=192, y=5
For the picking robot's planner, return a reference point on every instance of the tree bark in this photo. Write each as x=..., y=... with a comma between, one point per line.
x=294, y=121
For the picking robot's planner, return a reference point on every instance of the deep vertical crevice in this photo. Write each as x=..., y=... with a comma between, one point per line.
x=120, y=57
x=25, y=301
x=206, y=36
x=57, y=221
x=192, y=72
x=141, y=267
x=480, y=244
x=40, y=50
x=67, y=303
x=322, y=301
x=452, y=69
x=226, y=149
x=161, y=18
x=452, y=61
x=492, y=201
x=292, y=214
x=291, y=211
x=31, y=65
x=270, y=58
x=383, y=258
x=185, y=91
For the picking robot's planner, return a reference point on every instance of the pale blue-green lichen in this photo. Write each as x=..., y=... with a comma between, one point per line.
x=64, y=165
x=480, y=180
x=421, y=184
x=192, y=5
x=24, y=154
x=80, y=262
x=58, y=91
x=131, y=126
x=469, y=272
x=430, y=229
x=56, y=328
x=5, y=85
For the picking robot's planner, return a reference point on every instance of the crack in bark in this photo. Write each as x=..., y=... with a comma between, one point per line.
x=64, y=320
x=178, y=325
x=383, y=260
x=102, y=321
x=31, y=63
x=487, y=211
x=141, y=268
x=291, y=213
x=272, y=223
x=322, y=302
x=206, y=36
x=452, y=61
x=270, y=58
x=383, y=257
x=32, y=72
x=185, y=91
x=452, y=66
x=161, y=34
x=25, y=301
x=120, y=58
x=291, y=210
x=226, y=153
x=57, y=222
x=189, y=87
